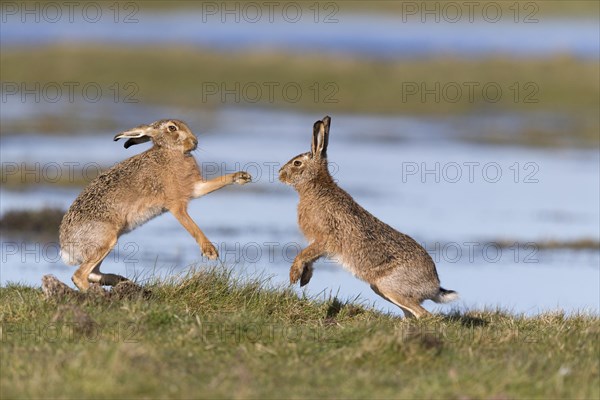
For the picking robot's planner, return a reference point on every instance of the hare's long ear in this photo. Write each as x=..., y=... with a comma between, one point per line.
x=319, y=143
x=327, y=125
x=137, y=135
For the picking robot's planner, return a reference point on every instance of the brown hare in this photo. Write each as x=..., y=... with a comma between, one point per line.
x=164, y=178
x=396, y=266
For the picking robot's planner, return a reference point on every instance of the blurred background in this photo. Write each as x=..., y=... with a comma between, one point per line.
x=471, y=126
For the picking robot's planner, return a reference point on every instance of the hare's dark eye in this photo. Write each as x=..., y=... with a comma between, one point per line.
x=172, y=128
x=297, y=163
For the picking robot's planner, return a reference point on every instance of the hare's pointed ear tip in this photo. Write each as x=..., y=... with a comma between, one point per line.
x=120, y=136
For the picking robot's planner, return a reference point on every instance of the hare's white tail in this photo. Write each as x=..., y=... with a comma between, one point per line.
x=445, y=296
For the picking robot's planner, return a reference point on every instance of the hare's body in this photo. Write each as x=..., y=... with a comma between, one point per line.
x=104, y=204
x=356, y=239
x=163, y=178
x=395, y=265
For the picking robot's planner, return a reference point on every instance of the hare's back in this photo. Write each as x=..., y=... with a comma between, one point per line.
x=110, y=196
x=358, y=238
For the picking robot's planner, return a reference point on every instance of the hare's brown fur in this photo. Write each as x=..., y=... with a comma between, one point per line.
x=395, y=265
x=164, y=178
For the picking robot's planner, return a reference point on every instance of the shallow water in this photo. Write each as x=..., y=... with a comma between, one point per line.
x=404, y=170
x=375, y=36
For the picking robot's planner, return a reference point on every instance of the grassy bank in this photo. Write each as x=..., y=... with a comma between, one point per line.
x=207, y=335
x=17, y=176
x=42, y=224
x=560, y=88
x=187, y=77
x=535, y=8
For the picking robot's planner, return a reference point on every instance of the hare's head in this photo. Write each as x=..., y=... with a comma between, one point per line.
x=311, y=166
x=166, y=133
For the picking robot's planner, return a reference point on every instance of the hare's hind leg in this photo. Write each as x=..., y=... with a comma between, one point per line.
x=96, y=276
x=105, y=279
x=410, y=308
x=83, y=276
x=80, y=277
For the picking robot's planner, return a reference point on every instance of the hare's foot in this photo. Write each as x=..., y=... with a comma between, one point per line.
x=80, y=280
x=410, y=308
x=106, y=279
x=302, y=267
x=295, y=273
x=241, y=178
x=301, y=271
x=413, y=310
x=202, y=188
x=81, y=277
x=307, y=273
x=209, y=251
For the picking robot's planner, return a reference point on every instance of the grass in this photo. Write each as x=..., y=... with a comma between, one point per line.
x=543, y=8
x=575, y=244
x=559, y=83
x=538, y=8
x=21, y=175
x=561, y=87
x=208, y=335
x=42, y=223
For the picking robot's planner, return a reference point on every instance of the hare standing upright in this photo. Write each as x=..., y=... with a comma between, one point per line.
x=164, y=178
x=397, y=267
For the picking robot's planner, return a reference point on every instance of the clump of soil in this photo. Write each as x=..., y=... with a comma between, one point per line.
x=55, y=290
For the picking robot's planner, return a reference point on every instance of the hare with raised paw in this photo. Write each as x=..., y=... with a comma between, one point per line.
x=164, y=178
x=396, y=266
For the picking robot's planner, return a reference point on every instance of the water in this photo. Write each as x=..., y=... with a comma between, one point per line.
x=373, y=36
x=457, y=199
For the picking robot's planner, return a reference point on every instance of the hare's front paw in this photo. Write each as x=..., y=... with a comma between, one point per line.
x=295, y=273
x=301, y=272
x=209, y=251
x=307, y=272
x=241, y=178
